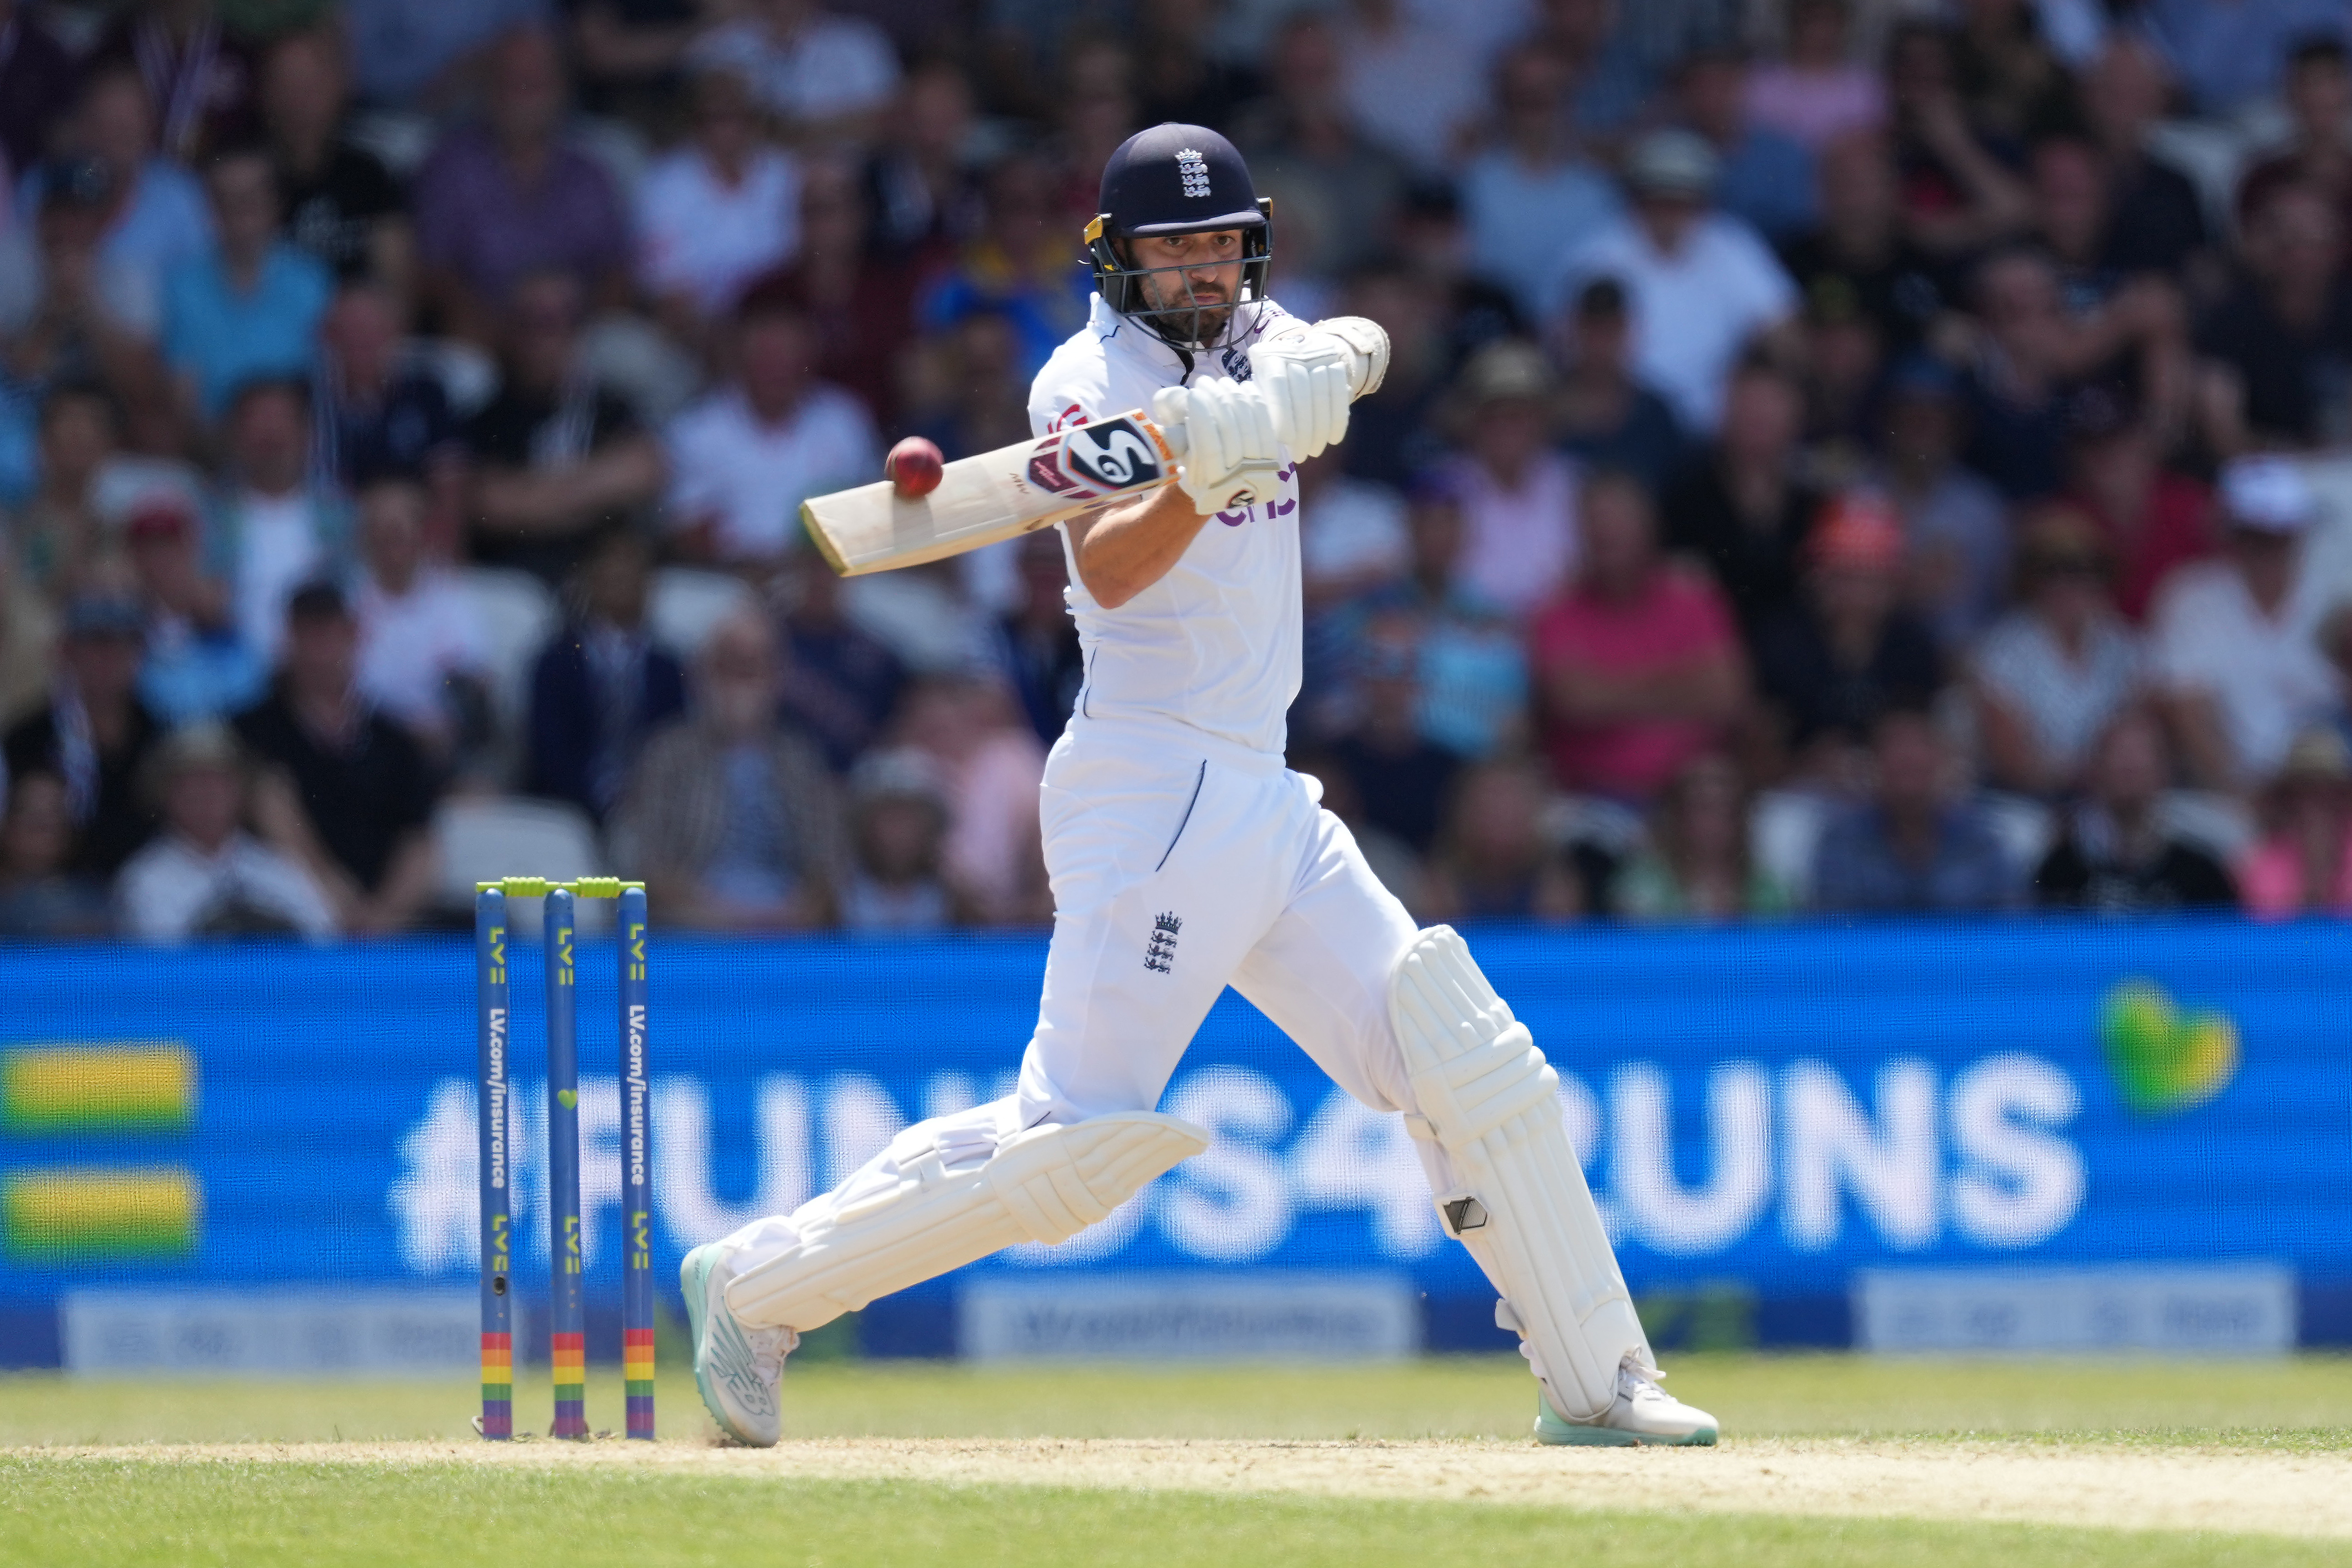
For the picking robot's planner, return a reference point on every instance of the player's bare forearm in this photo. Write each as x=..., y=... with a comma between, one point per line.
x=1123, y=549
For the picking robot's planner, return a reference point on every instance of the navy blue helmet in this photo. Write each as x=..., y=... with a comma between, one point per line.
x=1170, y=180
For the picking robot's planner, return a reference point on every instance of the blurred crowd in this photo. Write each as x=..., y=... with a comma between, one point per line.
x=1861, y=456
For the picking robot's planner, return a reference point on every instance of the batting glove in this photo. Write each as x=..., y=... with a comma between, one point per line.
x=1305, y=382
x=1231, y=452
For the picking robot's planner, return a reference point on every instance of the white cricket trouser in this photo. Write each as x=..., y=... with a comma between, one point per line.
x=1178, y=869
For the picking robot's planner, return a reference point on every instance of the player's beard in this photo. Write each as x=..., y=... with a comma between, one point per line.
x=1173, y=293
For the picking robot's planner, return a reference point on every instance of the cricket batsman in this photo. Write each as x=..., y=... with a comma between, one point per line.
x=1184, y=857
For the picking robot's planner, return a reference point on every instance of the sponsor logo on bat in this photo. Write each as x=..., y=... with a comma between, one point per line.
x=1112, y=455
x=1046, y=476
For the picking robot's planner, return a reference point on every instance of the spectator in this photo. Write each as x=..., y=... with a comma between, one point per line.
x=1701, y=284
x=979, y=402
x=1742, y=508
x=200, y=75
x=897, y=832
x=827, y=77
x=1038, y=641
x=1353, y=535
x=2236, y=655
x=1861, y=249
x=95, y=733
x=1608, y=418
x=1532, y=193
x=1766, y=178
x=859, y=301
x=357, y=795
x=57, y=537
x=2275, y=347
x=1412, y=87
x=154, y=216
x=1518, y=495
x=1954, y=525
x=732, y=819
x=70, y=311
x=2158, y=219
x=992, y=765
x=271, y=530
x=2231, y=54
x=424, y=60
x=719, y=212
x=1400, y=778
x=1816, y=93
x=380, y=418
x=1392, y=435
x=1638, y=664
x=1695, y=864
x=843, y=683
x=203, y=874
x=630, y=56
x=423, y=654
x=556, y=455
x=1846, y=654
x=744, y=458
x=506, y=201
x=1910, y=849
x=251, y=306
x=1018, y=265
x=1957, y=197
x=1492, y=862
x=41, y=896
x=2117, y=856
x=922, y=177
x=2319, y=154
x=1339, y=192
x=2154, y=519
x=27, y=642
x=2010, y=79
x=2027, y=360
x=2302, y=864
x=197, y=666
x=38, y=78
x=602, y=684
x=342, y=206
x=1185, y=69
x=2052, y=676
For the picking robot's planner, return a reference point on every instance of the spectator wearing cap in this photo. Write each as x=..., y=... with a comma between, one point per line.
x=38, y=76
x=2303, y=862
x=719, y=212
x=1638, y=666
x=249, y=308
x=1846, y=653
x=1608, y=418
x=1861, y=249
x=354, y=794
x=1742, y=507
x=1816, y=92
x=2117, y=856
x=555, y=456
x=1911, y=848
x=897, y=834
x=825, y=76
x=1954, y=525
x=730, y=816
x=70, y=313
x=205, y=873
x=602, y=685
x=270, y=529
x=41, y=896
x=1532, y=192
x=342, y=206
x=1766, y=177
x=743, y=459
x=197, y=667
x=2274, y=348
x=2051, y=677
x=503, y=201
x=2235, y=648
x=1694, y=863
x=423, y=652
x=1518, y=493
x=2154, y=518
x=1703, y=287
x=96, y=732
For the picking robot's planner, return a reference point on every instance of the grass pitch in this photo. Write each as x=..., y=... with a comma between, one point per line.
x=1827, y=1460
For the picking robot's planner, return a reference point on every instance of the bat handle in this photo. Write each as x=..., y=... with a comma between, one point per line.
x=1168, y=407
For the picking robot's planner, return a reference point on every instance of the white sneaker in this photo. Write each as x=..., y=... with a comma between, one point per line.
x=1642, y=1413
x=740, y=1369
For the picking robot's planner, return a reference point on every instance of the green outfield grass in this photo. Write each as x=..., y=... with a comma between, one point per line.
x=2303, y=1400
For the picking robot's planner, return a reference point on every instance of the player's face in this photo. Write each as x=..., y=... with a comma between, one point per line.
x=1210, y=278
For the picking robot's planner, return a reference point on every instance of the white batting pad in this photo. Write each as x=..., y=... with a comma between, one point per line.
x=1046, y=1185
x=1523, y=1208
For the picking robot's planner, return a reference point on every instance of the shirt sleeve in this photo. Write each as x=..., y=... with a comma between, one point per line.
x=1065, y=395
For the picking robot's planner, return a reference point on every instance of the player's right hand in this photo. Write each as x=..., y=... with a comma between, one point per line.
x=1232, y=453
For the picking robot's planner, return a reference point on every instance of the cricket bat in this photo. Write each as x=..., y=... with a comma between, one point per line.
x=1016, y=490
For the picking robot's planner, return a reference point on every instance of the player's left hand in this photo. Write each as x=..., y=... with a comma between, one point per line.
x=1305, y=377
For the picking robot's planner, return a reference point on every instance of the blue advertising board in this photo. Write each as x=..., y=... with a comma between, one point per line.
x=1768, y=1109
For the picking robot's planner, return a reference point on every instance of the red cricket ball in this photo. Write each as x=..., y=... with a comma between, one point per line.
x=914, y=467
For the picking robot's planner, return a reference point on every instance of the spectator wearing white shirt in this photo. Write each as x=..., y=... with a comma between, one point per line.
x=828, y=75
x=273, y=530
x=2051, y=676
x=1517, y=493
x=2236, y=652
x=744, y=458
x=1702, y=285
x=205, y=875
x=718, y=212
x=424, y=655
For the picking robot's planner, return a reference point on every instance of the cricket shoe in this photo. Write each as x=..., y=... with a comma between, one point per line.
x=740, y=1369
x=1642, y=1413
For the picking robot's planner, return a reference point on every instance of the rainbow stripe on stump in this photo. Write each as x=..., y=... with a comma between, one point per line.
x=497, y=1385
x=637, y=1370
x=570, y=1353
